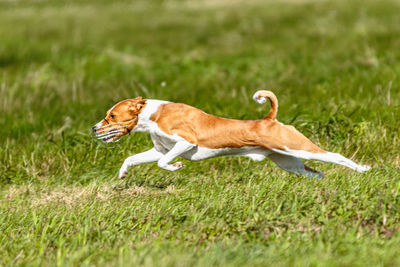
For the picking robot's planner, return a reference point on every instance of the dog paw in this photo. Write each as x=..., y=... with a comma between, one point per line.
x=170, y=167
x=363, y=168
x=178, y=165
x=122, y=173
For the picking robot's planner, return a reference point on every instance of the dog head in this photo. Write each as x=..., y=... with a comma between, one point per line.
x=119, y=120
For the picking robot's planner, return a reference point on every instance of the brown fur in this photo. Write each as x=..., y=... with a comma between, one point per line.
x=209, y=131
x=122, y=114
x=274, y=103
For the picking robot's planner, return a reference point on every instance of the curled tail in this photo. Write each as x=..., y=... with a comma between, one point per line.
x=261, y=97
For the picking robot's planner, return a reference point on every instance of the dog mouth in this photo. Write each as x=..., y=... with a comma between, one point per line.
x=109, y=134
x=109, y=137
x=114, y=131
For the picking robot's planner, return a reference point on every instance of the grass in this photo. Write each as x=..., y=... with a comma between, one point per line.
x=334, y=66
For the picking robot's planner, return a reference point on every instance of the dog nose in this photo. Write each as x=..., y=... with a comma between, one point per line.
x=94, y=128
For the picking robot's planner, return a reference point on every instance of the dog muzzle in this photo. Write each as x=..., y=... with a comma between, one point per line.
x=113, y=132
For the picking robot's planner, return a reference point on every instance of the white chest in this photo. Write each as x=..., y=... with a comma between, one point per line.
x=162, y=141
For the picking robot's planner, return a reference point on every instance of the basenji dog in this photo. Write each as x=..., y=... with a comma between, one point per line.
x=180, y=130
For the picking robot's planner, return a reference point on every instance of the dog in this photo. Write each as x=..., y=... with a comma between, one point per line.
x=180, y=130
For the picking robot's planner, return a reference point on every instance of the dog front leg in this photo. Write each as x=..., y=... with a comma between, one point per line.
x=178, y=149
x=151, y=155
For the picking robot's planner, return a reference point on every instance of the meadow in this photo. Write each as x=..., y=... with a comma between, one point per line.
x=334, y=66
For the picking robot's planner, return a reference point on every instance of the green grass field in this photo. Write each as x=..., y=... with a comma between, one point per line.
x=334, y=66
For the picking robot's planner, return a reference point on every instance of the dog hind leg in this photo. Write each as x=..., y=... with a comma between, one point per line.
x=294, y=165
x=325, y=157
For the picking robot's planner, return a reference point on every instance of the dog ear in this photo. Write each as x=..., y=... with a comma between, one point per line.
x=137, y=104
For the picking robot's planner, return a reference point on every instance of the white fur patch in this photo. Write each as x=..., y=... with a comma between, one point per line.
x=144, y=122
x=98, y=125
x=259, y=99
x=201, y=153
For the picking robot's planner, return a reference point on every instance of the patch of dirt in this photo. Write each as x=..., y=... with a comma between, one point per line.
x=73, y=195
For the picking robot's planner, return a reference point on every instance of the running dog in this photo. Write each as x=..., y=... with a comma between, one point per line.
x=180, y=130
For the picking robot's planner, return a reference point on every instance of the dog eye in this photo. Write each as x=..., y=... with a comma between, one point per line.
x=112, y=116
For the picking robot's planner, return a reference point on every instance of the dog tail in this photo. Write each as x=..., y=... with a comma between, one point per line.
x=261, y=97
